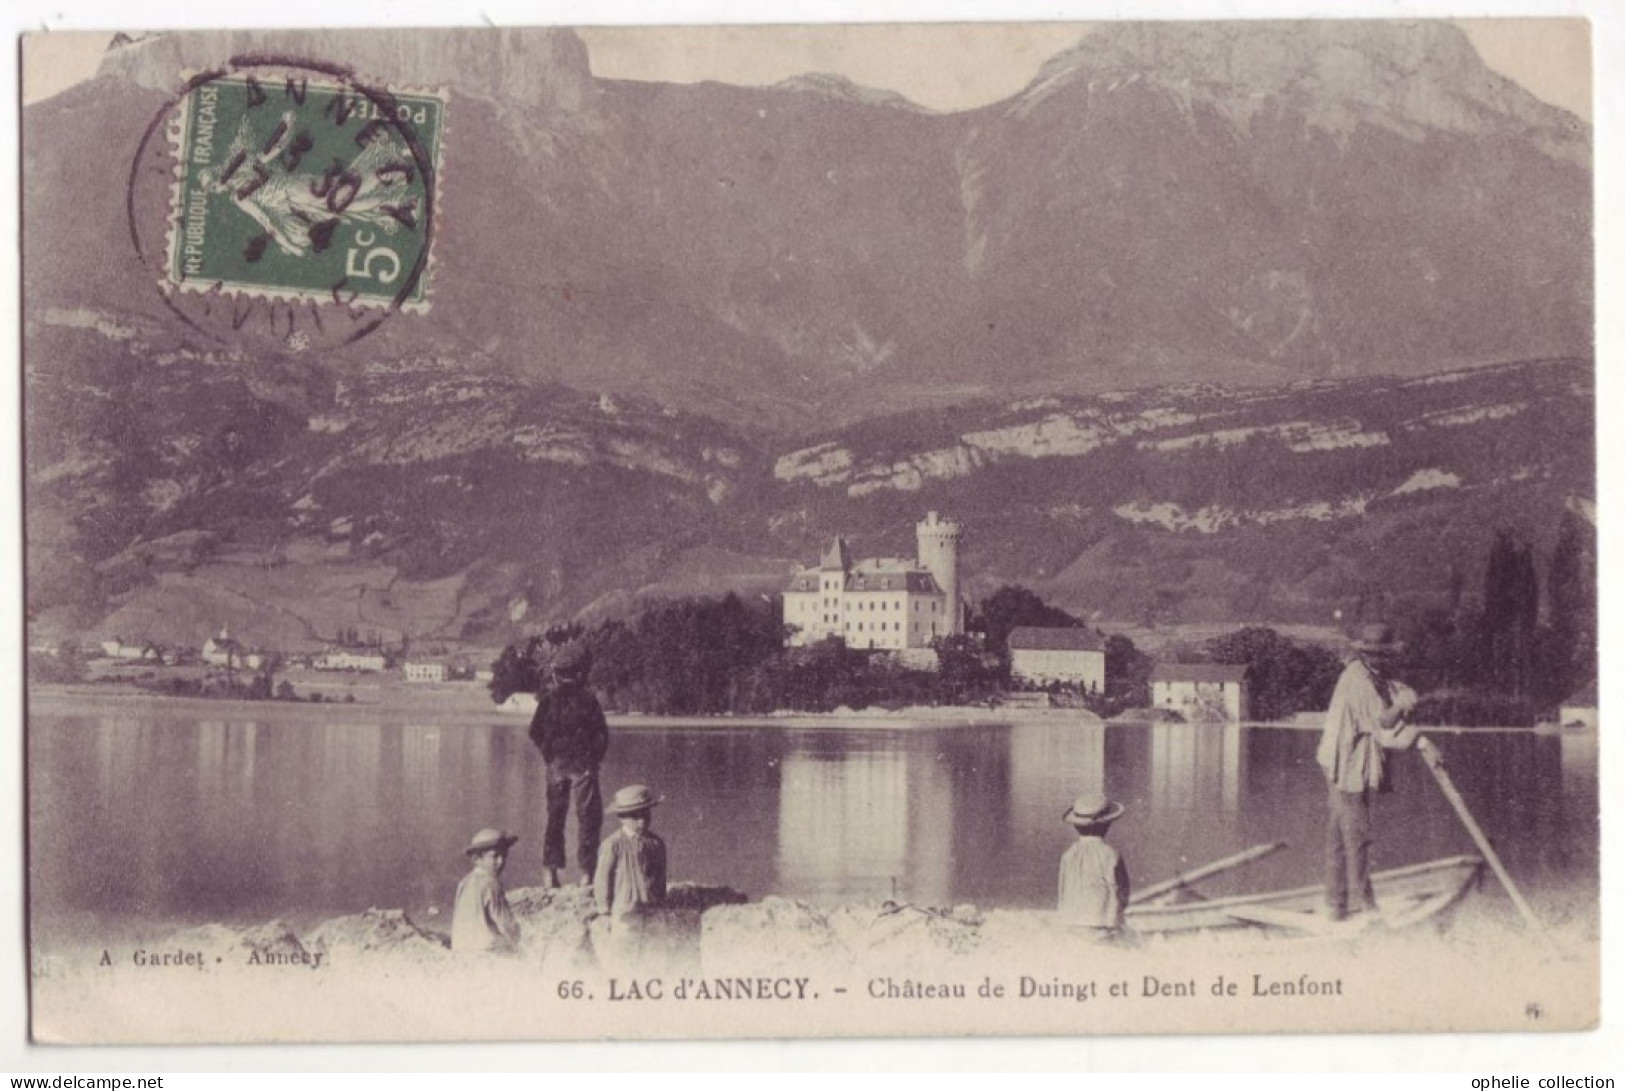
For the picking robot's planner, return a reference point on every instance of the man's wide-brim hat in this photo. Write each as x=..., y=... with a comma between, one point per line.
x=490, y=838
x=1378, y=638
x=632, y=799
x=1092, y=809
x=572, y=659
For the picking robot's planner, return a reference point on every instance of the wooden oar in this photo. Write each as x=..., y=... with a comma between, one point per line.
x=1435, y=762
x=1185, y=878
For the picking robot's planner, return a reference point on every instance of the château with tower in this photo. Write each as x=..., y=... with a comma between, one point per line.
x=880, y=602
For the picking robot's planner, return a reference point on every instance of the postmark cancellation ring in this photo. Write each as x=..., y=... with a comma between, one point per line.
x=284, y=204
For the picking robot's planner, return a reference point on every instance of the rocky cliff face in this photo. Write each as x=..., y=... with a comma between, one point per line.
x=1269, y=202
x=534, y=69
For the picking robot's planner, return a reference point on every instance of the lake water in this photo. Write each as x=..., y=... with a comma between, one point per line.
x=160, y=815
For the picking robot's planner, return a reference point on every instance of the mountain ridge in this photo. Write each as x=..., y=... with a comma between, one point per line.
x=783, y=255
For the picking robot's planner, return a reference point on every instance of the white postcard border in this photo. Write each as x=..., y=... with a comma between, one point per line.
x=1599, y=1051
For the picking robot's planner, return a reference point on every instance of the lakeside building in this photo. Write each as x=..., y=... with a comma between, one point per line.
x=1069, y=656
x=886, y=602
x=1201, y=692
x=341, y=659
x=118, y=649
x=1580, y=709
x=424, y=671
x=225, y=651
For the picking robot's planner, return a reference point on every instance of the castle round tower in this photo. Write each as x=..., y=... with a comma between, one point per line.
x=939, y=554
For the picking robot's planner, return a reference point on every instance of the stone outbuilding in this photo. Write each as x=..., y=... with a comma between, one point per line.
x=1580, y=708
x=1069, y=656
x=1201, y=692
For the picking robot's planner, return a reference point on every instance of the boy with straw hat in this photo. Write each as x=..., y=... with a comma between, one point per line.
x=631, y=873
x=1094, y=880
x=481, y=920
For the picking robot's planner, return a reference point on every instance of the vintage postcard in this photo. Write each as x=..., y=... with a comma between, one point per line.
x=998, y=529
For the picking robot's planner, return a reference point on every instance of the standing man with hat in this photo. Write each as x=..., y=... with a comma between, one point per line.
x=1094, y=880
x=481, y=919
x=570, y=731
x=1366, y=717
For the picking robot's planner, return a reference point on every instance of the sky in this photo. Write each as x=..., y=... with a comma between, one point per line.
x=943, y=66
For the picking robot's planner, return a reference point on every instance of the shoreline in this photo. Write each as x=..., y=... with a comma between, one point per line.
x=463, y=704
x=457, y=704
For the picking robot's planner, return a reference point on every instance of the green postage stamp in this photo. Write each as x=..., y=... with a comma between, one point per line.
x=303, y=190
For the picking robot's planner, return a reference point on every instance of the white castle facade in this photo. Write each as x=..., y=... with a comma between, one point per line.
x=886, y=602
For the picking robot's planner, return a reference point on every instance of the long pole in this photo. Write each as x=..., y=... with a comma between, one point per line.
x=1435, y=763
x=1185, y=878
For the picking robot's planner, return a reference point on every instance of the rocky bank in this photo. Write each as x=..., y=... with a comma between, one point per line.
x=780, y=967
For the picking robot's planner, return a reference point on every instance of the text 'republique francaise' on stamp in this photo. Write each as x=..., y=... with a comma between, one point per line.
x=287, y=204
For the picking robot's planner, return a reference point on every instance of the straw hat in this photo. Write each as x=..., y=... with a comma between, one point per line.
x=490, y=838
x=1378, y=637
x=1092, y=809
x=632, y=799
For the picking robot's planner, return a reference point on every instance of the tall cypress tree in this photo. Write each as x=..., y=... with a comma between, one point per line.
x=1500, y=611
x=1525, y=618
x=1572, y=602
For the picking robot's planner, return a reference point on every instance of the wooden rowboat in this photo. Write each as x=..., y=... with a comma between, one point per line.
x=1405, y=896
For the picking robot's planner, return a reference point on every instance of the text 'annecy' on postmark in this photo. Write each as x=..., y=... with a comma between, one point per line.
x=304, y=189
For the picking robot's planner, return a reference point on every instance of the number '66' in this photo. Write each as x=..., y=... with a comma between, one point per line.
x=389, y=262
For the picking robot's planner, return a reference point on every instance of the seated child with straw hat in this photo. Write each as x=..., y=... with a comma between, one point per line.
x=1094, y=880
x=481, y=920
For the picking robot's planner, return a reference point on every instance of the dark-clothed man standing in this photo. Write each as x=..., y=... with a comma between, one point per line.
x=570, y=731
x=1366, y=717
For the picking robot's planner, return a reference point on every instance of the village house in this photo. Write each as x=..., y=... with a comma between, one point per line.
x=1201, y=692
x=1074, y=657
x=889, y=602
x=223, y=650
x=342, y=659
x=118, y=649
x=425, y=671
x=1580, y=709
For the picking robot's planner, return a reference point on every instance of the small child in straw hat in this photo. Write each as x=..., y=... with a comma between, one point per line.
x=631, y=875
x=1094, y=880
x=482, y=920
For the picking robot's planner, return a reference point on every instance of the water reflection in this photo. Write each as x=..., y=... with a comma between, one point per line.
x=190, y=819
x=902, y=816
x=843, y=825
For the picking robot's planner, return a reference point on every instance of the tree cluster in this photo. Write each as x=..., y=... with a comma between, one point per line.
x=1011, y=607
x=713, y=656
x=1506, y=659
x=1284, y=677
